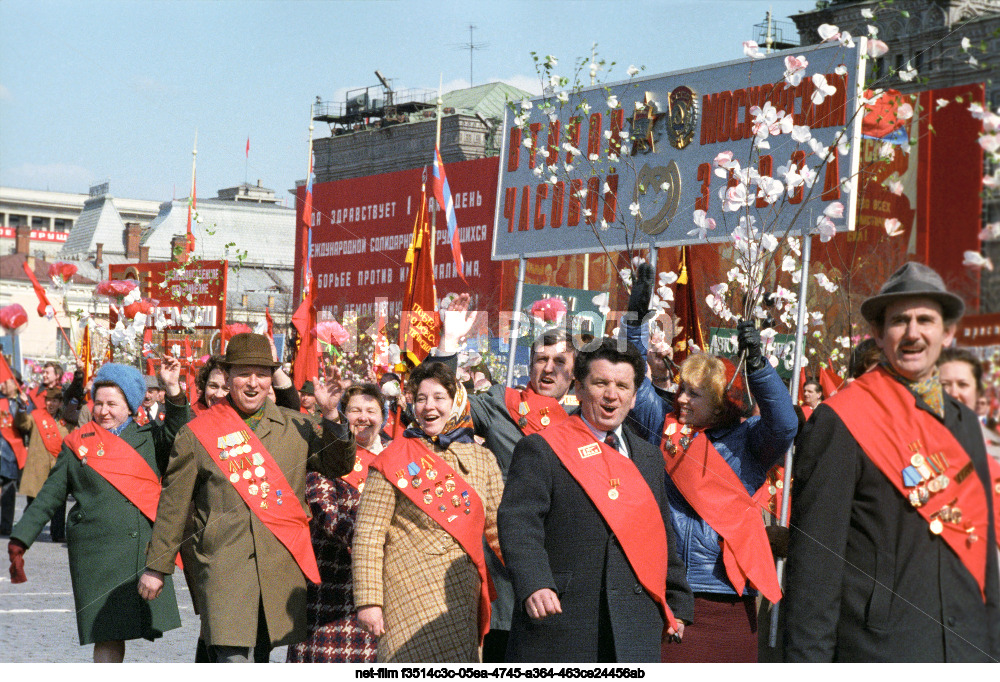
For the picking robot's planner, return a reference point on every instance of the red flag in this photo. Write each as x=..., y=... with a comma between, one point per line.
x=87, y=355
x=270, y=323
x=830, y=382
x=418, y=326
x=248, y=146
x=306, y=365
x=192, y=206
x=45, y=308
x=5, y=371
x=802, y=385
x=686, y=311
x=442, y=193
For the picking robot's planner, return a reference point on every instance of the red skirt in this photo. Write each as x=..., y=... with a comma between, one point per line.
x=724, y=631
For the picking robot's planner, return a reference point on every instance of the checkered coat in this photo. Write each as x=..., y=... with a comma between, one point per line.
x=427, y=585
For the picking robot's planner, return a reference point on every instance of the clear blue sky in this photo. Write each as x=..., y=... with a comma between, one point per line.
x=94, y=90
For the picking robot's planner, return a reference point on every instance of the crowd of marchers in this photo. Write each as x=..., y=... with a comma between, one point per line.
x=614, y=509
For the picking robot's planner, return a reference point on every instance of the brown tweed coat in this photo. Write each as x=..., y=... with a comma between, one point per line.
x=405, y=562
x=236, y=561
x=39, y=462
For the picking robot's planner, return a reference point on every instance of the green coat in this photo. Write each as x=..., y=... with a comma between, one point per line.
x=107, y=537
x=235, y=563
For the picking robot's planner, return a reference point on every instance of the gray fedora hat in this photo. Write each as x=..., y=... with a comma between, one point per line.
x=913, y=280
x=249, y=349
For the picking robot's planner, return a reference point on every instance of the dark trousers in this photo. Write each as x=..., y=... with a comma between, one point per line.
x=8, y=500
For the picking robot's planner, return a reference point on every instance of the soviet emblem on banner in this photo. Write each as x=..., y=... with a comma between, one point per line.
x=683, y=116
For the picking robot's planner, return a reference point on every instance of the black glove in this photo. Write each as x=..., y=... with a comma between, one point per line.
x=642, y=291
x=749, y=342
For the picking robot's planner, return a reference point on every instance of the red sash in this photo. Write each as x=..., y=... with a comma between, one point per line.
x=198, y=408
x=48, y=428
x=717, y=495
x=119, y=464
x=246, y=463
x=356, y=476
x=883, y=417
x=10, y=435
x=995, y=482
x=39, y=398
x=437, y=489
x=532, y=412
x=623, y=499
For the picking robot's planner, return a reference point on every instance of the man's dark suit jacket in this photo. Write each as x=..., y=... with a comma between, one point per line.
x=553, y=536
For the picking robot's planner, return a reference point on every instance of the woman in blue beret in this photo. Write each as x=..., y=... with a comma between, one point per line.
x=112, y=468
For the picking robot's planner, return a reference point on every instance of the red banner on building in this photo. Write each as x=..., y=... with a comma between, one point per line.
x=363, y=227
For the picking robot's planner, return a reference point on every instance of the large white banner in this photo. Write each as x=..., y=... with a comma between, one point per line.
x=654, y=160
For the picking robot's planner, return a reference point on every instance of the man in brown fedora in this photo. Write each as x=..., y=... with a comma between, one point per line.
x=893, y=552
x=242, y=465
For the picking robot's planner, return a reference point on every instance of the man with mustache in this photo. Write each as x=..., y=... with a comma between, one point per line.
x=892, y=552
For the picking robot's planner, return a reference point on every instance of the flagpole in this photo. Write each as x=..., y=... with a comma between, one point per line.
x=307, y=204
x=437, y=147
x=796, y=370
x=515, y=332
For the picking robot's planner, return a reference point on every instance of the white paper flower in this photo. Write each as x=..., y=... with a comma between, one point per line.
x=893, y=227
x=908, y=73
x=752, y=49
x=976, y=260
x=631, y=71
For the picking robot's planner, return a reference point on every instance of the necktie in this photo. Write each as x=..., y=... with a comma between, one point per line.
x=611, y=440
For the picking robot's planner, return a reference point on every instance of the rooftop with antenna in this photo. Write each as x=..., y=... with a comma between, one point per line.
x=772, y=34
x=380, y=102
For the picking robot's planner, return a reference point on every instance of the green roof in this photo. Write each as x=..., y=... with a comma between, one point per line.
x=488, y=100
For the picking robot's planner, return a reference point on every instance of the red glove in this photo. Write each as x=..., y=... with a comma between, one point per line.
x=15, y=549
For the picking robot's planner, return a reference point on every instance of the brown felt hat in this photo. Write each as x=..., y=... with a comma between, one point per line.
x=249, y=349
x=913, y=280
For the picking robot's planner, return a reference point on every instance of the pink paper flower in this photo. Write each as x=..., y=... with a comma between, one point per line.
x=548, y=309
x=13, y=318
x=62, y=272
x=114, y=288
x=331, y=332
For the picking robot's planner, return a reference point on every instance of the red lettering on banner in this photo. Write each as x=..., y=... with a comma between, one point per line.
x=509, y=204
x=739, y=100
x=708, y=103
x=617, y=121
x=534, y=128
x=573, y=136
x=838, y=103
x=594, y=131
x=575, y=205
x=723, y=115
x=514, y=155
x=764, y=166
x=611, y=198
x=552, y=153
x=558, y=193
x=522, y=223
x=593, y=194
x=541, y=194
x=705, y=177
x=831, y=177
x=799, y=159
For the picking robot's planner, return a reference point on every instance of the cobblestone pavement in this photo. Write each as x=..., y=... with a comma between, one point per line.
x=37, y=623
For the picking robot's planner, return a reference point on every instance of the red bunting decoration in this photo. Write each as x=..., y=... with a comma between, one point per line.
x=13, y=318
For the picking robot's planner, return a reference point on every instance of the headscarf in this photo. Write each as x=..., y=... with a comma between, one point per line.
x=457, y=429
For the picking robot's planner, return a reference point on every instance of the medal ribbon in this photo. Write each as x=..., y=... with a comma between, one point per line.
x=536, y=404
x=120, y=465
x=631, y=513
x=884, y=419
x=48, y=429
x=288, y=522
x=467, y=529
x=717, y=495
x=356, y=478
x=10, y=435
